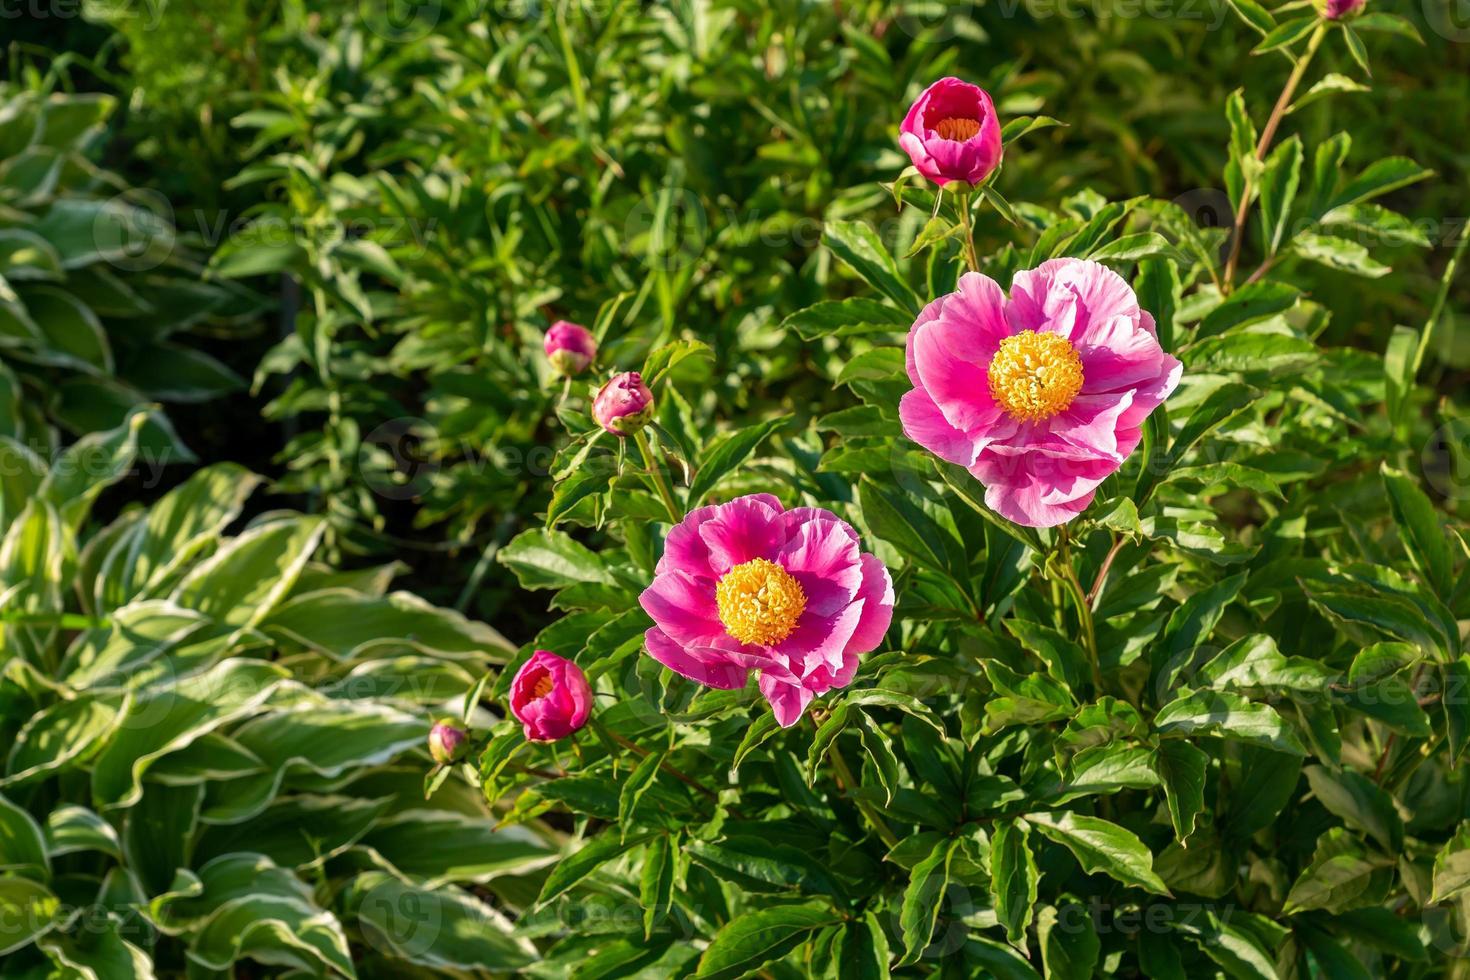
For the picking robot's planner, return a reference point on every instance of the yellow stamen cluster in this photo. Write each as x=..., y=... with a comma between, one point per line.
x=957, y=129
x=1035, y=375
x=543, y=687
x=759, y=602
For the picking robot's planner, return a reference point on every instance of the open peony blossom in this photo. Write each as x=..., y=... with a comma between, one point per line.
x=952, y=134
x=1042, y=395
x=550, y=697
x=747, y=585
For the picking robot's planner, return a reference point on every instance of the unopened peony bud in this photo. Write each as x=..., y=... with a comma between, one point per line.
x=952, y=133
x=570, y=347
x=1340, y=9
x=623, y=405
x=447, y=743
x=550, y=697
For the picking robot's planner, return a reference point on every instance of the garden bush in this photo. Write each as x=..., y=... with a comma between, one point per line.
x=1101, y=571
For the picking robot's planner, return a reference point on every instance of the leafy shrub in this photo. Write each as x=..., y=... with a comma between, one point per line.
x=96, y=287
x=214, y=741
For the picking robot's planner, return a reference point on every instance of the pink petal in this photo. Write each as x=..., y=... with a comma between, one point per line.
x=925, y=424
x=683, y=607
x=876, y=596
x=706, y=665
x=743, y=529
x=787, y=701
x=822, y=556
x=684, y=549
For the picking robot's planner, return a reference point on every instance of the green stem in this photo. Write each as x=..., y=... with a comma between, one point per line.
x=656, y=477
x=1084, y=609
x=1278, y=112
x=851, y=784
x=963, y=200
x=1441, y=298
x=664, y=764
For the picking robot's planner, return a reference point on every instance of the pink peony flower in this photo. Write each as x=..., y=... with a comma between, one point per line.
x=952, y=134
x=1042, y=395
x=1338, y=9
x=623, y=405
x=550, y=697
x=447, y=743
x=570, y=347
x=747, y=585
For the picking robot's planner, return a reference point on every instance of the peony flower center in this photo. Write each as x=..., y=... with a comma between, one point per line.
x=759, y=602
x=957, y=129
x=543, y=686
x=1035, y=375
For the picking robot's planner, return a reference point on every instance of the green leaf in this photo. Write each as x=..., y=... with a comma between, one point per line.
x=923, y=898
x=1286, y=33
x=1452, y=866
x=1249, y=304
x=22, y=846
x=1101, y=847
x=243, y=581
x=728, y=452
x=586, y=859
x=1181, y=768
x=635, y=785
x=28, y=911
x=1278, y=190
x=856, y=244
x=1230, y=716
x=1341, y=876
x=1069, y=942
x=1024, y=126
x=1379, y=178
x=656, y=882
x=1421, y=532
x=844, y=317
x=1255, y=15
x=862, y=950
x=1338, y=253
x=1360, y=803
x=750, y=941
x=443, y=929
x=1013, y=877
x=1330, y=84
x=546, y=559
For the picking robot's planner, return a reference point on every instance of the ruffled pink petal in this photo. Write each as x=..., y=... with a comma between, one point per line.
x=823, y=557
x=787, y=701
x=819, y=640
x=1091, y=423
x=924, y=423
x=876, y=596
x=1095, y=293
x=743, y=529
x=684, y=549
x=683, y=607
x=960, y=388
x=707, y=665
x=1038, y=490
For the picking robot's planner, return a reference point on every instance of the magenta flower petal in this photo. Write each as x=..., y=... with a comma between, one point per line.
x=787, y=593
x=550, y=697
x=1041, y=395
x=707, y=665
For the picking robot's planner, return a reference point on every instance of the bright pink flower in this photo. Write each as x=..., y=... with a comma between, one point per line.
x=747, y=585
x=550, y=697
x=1337, y=9
x=952, y=134
x=623, y=405
x=570, y=347
x=1042, y=395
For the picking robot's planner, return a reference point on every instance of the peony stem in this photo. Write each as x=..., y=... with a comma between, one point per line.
x=1084, y=608
x=656, y=477
x=849, y=785
x=1264, y=143
x=967, y=222
x=664, y=764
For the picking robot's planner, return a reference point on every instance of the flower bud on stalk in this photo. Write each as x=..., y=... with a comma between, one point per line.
x=1340, y=9
x=550, y=697
x=570, y=347
x=624, y=405
x=951, y=133
x=447, y=743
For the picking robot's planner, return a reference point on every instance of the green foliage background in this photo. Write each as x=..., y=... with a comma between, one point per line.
x=327, y=239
